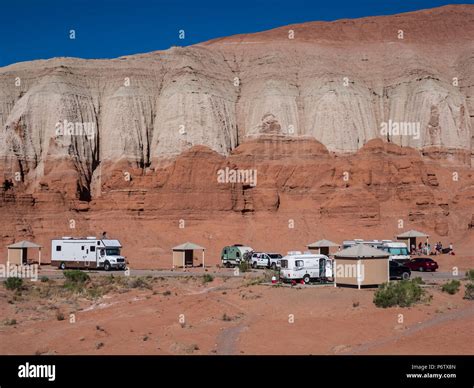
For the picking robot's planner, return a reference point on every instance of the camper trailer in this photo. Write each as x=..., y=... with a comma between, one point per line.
x=398, y=251
x=306, y=266
x=233, y=255
x=87, y=253
x=371, y=243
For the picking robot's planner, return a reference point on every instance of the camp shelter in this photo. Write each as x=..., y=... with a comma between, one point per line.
x=322, y=246
x=411, y=235
x=18, y=253
x=183, y=255
x=361, y=266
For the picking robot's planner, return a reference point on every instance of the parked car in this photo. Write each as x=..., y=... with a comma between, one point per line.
x=422, y=264
x=265, y=260
x=399, y=271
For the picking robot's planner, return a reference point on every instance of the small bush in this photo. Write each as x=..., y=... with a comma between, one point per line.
x=226, y=318
x=14, y=283
x=167, y=293
x=244, y=266
x=207, y=278
x=140, y=283
x=469, y=291
x=404, y=294
x=60, y=316
x=76, y=276
x=470, y=274
x=9, y=322
x=418, y=280
x=44, y=279
x=451, y=287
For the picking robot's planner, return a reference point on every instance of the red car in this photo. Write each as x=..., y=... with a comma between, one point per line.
x=422, y=264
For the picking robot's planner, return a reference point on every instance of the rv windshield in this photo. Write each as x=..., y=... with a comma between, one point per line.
x=398, y=251
x=113, y=251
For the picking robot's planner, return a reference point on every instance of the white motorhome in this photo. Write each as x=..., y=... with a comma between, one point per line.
x=87, y=252
x=398, y=251
x=306, y=266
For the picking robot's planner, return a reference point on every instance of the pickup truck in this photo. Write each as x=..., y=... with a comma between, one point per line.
x=265, y=260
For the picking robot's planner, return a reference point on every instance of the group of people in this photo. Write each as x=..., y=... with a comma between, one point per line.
x=438, y=249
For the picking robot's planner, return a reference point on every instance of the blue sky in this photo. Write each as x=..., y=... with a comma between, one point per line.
x=39, y=29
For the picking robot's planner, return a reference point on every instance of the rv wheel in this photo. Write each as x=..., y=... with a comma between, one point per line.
x=107, y=266
x=63, y=265
x=306, y=278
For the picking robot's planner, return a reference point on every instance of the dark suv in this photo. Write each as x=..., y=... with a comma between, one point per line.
x=422, y=264
x=399, y=271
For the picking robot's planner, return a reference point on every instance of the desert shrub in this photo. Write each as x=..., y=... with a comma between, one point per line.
x=254, y=281
x=95, y=292
x=140, y=283
x=76, y=276
x=207, y=278
x=75, y=280
x=404, y=294
x=14, y=283
x=167, y=293
x=470, y=274
x=451, y=287
x=418, y=280
x=226, y=318
x=44, y=279
x=244, y=266
x=60, y=316
x=469, y=291
x=9, y=322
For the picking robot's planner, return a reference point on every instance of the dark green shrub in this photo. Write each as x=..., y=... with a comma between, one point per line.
x=207, y=278
x=44, y=279
x=404, y=294
x=451, y=287
x=14, y=283
x=469, y=291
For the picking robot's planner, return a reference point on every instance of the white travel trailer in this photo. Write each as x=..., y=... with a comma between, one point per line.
x=398, y=251
x=306, y=266
x=86, y=253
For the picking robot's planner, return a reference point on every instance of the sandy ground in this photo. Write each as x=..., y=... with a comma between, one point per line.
x=232, y=316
